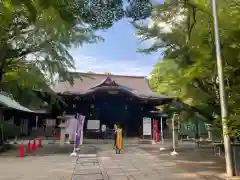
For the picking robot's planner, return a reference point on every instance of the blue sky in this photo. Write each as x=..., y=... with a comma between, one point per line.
x=117, y=54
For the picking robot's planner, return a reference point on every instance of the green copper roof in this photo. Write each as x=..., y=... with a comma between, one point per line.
x=8, y=102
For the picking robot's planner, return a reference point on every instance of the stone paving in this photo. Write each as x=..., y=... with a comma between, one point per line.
x=200, y=161
x=54, y=167
x=95, y=162
x=87, y=168
x=135, y=164
x=47, y=163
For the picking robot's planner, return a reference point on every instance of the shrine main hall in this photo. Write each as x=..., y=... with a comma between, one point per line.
x=111, y=99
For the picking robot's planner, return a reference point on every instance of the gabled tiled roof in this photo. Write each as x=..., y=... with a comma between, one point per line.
x=136, y=85
x=139, y=83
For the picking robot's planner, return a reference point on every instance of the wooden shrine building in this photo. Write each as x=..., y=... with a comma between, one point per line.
x=111, y=99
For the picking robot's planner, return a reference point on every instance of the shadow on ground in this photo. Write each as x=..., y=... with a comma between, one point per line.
x=52, y=149
x=201, y=161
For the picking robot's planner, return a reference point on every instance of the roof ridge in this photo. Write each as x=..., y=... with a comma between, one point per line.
x=111, y=75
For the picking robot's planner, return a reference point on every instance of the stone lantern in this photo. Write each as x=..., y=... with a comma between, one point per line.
x=209, y=130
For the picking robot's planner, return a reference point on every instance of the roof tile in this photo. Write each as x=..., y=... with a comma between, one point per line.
x=139, y=83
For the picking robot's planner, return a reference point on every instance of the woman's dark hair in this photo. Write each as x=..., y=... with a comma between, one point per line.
x=119, y=125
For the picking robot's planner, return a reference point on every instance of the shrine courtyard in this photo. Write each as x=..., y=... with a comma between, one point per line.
x=99, y=162
x=109, y=99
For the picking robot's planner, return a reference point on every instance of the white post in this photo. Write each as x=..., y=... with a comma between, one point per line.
x=36, y=122
x=142, y=127
x=152, y=130
x=162, y=140
x=223, y=95
x=173, y=136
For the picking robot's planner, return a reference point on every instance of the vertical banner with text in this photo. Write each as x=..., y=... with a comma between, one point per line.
x=79, y=130
x=155, y=129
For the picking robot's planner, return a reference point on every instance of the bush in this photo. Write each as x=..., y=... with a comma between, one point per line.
x=10, y=130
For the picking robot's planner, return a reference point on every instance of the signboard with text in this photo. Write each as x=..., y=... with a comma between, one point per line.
x=147, y=126
x=93, y=124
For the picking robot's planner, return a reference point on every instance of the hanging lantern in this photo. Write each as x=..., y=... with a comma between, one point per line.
x=92, y=106
x=74, y=106
x=125, y=107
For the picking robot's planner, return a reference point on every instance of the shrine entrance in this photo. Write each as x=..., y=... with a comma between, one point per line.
x=110, y=113
x=116, y=108
x=110, y=99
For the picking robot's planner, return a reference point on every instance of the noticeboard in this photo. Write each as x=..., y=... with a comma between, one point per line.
x=93, y=124
x=147, y=126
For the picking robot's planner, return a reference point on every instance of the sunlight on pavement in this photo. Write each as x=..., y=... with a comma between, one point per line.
x=194, y=162
x=188, y=175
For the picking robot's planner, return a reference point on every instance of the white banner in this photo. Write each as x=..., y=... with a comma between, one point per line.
x=81, y=130
x=71, y=127
x=147, y=126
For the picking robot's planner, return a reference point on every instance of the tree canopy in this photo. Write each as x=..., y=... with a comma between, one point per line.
x=36, y=36
x=188, y=67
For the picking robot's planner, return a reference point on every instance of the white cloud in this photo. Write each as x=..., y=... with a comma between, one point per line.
x=123, y=67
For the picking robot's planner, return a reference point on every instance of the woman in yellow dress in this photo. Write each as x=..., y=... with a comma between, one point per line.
x=119, y=140
x=114, y=136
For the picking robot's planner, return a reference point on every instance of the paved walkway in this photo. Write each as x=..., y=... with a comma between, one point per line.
x=136, y=164
x=88, y=167
x=48, y=163
x=96, y=162
x=55, y=167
